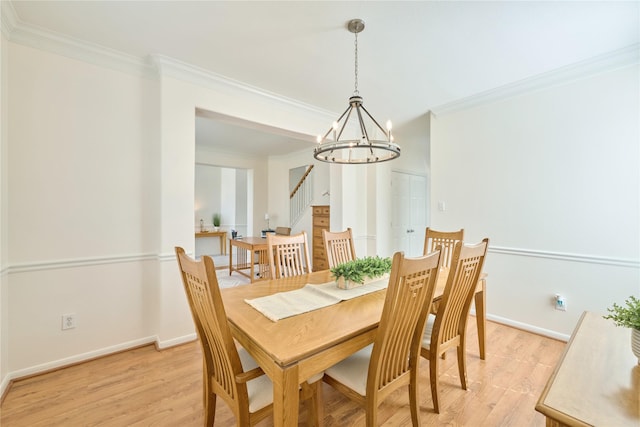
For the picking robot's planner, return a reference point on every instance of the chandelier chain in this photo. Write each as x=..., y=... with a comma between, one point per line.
x=355, y=91
x=357, y=137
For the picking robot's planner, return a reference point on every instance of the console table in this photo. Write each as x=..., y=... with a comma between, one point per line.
x=597, y=381
x=248, y=250
x=220, y=234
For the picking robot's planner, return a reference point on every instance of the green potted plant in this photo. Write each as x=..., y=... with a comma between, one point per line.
x=361, y=271
x=216, y=221
x=628, y=316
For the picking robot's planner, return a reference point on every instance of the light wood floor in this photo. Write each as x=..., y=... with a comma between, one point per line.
x=146, y=387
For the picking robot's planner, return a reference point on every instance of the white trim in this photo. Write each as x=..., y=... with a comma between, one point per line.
x=161, y=345
x=170, y=257
x=79, y=262
x=84, y=357
x=624, y=57
x=590, y=259
x=18, y=31
x=78, y=358
x=529, y=328
x=8, y=18
x=4, y=384
x=170, y=67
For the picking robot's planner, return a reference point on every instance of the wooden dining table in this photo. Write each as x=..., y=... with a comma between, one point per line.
x=294, y=349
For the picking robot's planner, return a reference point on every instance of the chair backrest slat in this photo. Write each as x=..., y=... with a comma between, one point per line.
x=338, y=246
x=222, y=362
x=464, y=275
x=446, y=240
x=288, y=255
x=396, y=347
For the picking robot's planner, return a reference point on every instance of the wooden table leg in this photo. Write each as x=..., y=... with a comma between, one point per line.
x=481, y=316
x=286, y=398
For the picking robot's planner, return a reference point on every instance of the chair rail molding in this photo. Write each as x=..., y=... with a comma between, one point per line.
x=563, y=256
x=79, y=262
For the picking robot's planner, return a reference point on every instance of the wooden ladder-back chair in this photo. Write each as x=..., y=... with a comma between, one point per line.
x=338, y=246
x=447, y=328
x=445, y=239
x=228, y=371
x=373, y=373
x=288, y=255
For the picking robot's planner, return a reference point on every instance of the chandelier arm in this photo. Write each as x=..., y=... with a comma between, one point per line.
x=363, y=129
x=350, y=109
x=331, y=128
x=376, y=122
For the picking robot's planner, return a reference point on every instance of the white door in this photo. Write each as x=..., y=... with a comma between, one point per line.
x=409, y=216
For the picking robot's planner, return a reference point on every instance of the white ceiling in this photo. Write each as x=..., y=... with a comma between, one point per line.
x=413, y=56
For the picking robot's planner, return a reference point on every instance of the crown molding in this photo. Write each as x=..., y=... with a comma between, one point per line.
x=18, y=31
x=620, y=58
x=8, y=18
x=170, y=67
x=153, y=66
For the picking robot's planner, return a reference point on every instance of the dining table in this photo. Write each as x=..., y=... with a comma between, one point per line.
x=294, y=349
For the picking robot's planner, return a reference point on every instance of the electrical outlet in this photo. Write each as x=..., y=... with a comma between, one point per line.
x=68, y=321
x=561, y=303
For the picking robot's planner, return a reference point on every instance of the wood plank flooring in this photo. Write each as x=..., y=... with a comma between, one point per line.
x=146, y=387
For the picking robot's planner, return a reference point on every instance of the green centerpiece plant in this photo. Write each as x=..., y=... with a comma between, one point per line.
x=360, y=271
x=216, y=220
x=628, y=316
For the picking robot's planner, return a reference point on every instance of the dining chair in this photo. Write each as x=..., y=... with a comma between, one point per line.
x=447, y=328
x=373, y=373
x=288, y=255
x=229, y=371
x=445, y=239
x=338, y=246
x=283, y=231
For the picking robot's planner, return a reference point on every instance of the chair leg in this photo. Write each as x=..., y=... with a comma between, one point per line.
x=433, y=379
x=414, y=398
x=462, y=365
x=371, y=407
x=481, y=317
x=209, y=401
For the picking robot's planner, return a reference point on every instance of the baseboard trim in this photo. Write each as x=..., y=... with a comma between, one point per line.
x=5, y=384
x=79, y=358
x=528, y=328
x=88, y=356
x=161, y=345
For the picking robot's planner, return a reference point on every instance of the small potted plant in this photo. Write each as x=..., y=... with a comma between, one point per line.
x=361, y=271
x=628, y=316
x=216, y=221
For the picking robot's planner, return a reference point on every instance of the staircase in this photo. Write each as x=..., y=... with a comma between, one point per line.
x=301, y=197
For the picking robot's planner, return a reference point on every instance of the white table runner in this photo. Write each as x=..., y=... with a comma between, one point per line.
x=308, y=298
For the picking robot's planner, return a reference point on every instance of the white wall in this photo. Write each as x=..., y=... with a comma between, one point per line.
x=4, y=301
x=552, y=178
x=79, y=210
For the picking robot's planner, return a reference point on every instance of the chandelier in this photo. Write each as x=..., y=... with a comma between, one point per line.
x=356, y=137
